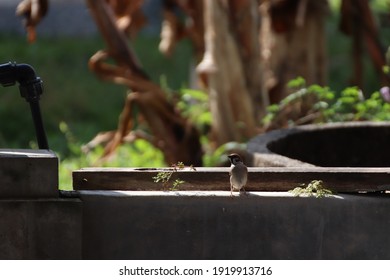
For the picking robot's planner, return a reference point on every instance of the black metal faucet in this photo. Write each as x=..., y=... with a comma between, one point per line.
x=31, y=88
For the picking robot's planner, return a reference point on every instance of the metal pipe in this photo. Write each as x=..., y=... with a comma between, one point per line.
x=38, y=124
x=31, y=88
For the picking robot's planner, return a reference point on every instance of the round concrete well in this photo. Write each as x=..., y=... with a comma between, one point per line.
x=351, y=144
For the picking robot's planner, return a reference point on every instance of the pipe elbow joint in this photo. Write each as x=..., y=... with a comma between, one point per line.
x=24, y=73
x=30, y=86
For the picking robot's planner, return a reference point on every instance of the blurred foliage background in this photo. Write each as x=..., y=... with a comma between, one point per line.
x=76, y=105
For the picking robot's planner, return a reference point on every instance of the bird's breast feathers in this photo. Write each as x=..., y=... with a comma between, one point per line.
x=238, y=175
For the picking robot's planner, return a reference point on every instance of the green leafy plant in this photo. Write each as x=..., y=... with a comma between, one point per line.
x=315, y=188
x=73, y=158
x=164, y=177
x=318, y=104
x=195, y=106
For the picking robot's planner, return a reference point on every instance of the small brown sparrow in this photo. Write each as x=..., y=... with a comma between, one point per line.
x=238, y=173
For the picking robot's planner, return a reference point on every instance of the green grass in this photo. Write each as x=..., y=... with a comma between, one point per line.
x=72, y=93
x=75, y=97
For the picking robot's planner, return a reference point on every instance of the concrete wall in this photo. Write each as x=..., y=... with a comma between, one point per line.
x=345, y=144
x=195, y=225
x=35, y=222
x=212, y=225
x=109, y=224
x=40, y=228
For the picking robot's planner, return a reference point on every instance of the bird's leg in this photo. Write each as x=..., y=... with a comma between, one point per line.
x=243, y=188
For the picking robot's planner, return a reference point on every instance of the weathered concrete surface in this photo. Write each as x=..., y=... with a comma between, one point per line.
x=351, y=180
x=34, y=222
x=40, y=228
x=212, y=225
x=28, y=174
x=350, y=144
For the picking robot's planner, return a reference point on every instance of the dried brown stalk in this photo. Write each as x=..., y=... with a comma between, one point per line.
x=177, y=138
x=33, y=11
